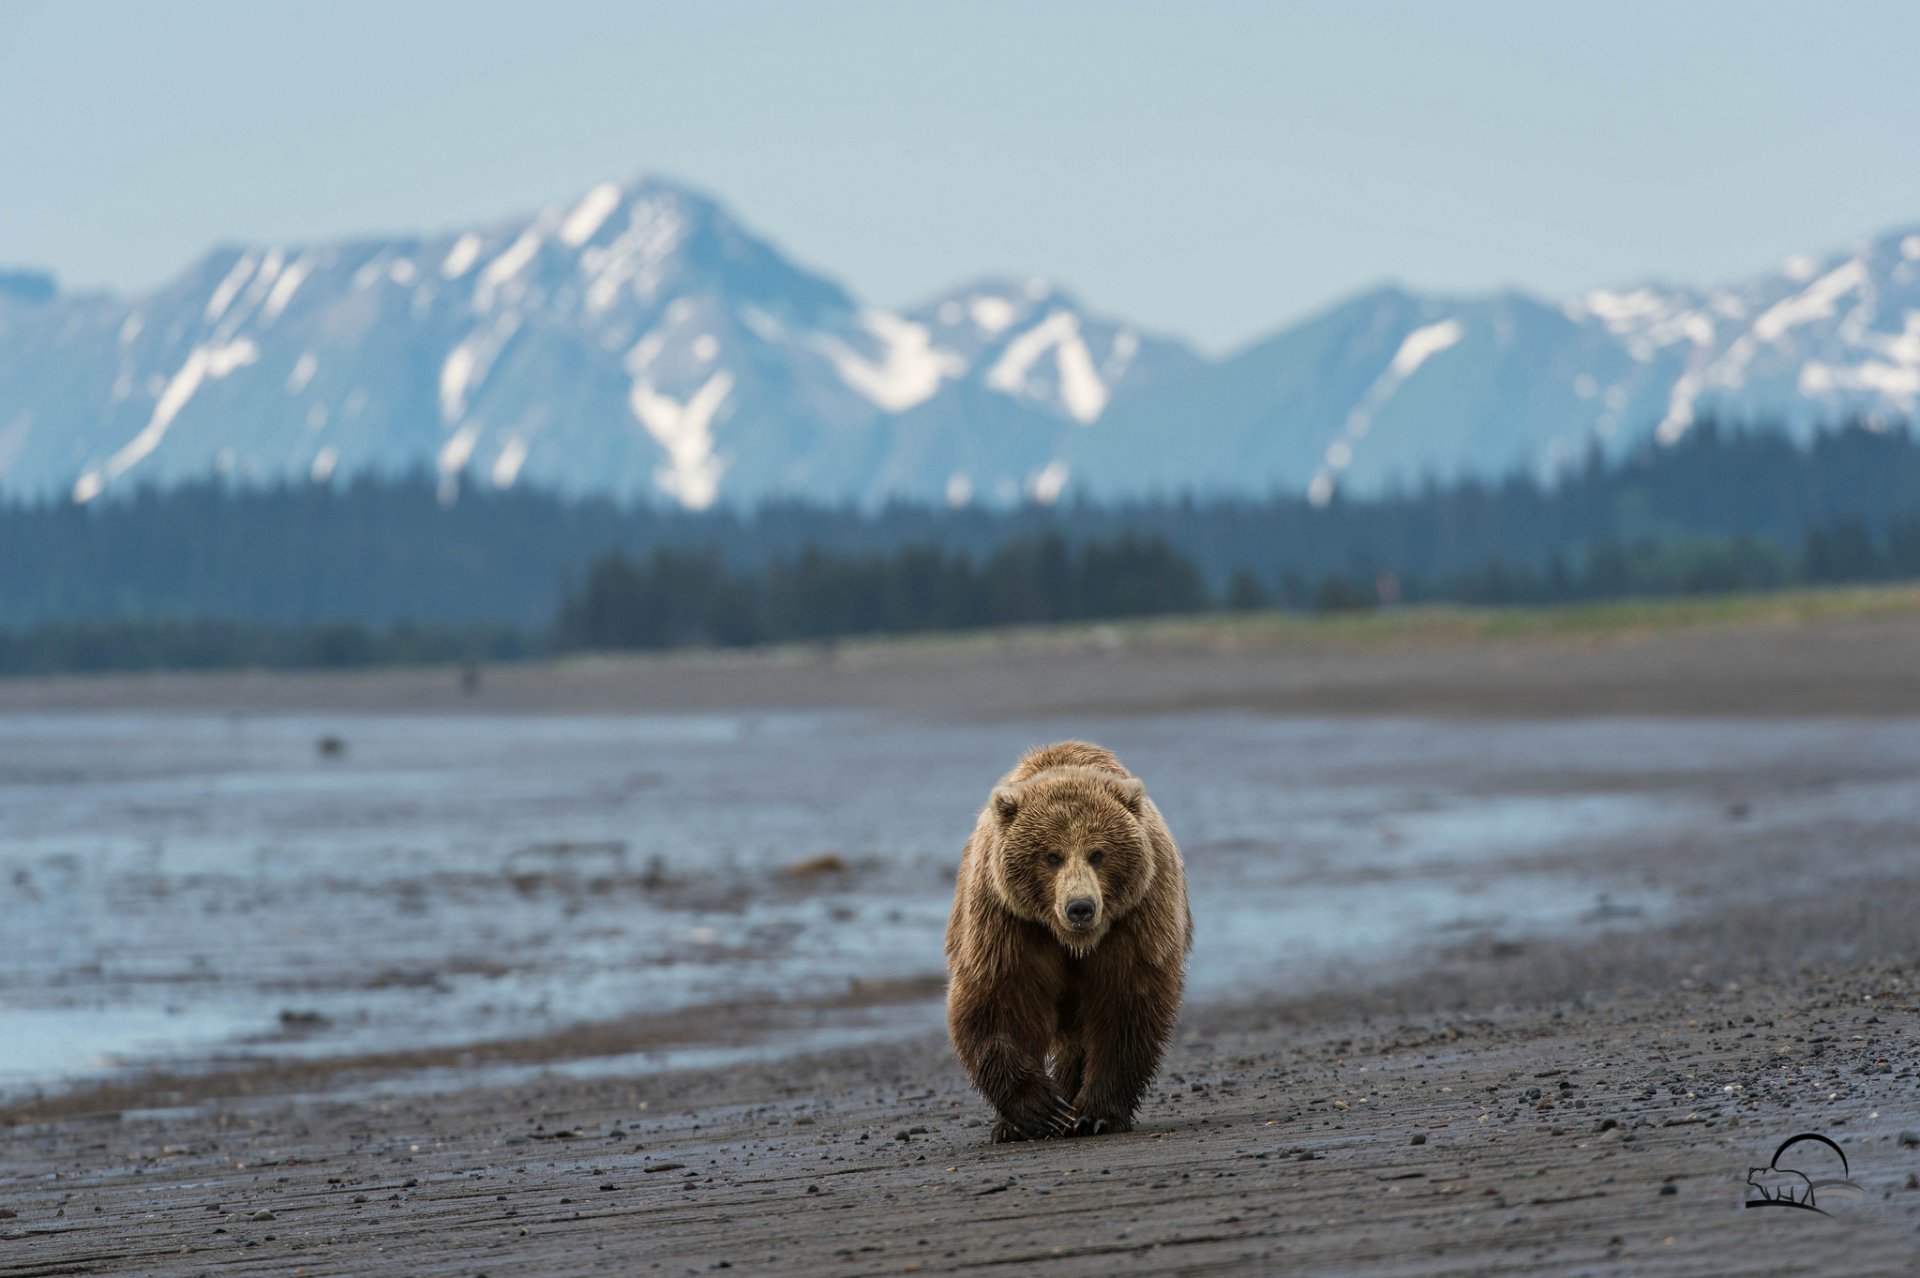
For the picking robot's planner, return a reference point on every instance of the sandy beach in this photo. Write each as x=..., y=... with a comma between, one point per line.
x=1584, y=1097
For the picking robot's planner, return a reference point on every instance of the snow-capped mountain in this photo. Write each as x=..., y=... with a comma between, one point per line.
x=640, y=341
x=1392, y=387
x=637, y=341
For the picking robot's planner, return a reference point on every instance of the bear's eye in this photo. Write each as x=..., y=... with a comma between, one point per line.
x=1053, y=860
x=1096, y=858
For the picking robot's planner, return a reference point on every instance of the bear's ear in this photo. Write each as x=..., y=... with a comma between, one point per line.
x=1132, y=793
x=1006, y=804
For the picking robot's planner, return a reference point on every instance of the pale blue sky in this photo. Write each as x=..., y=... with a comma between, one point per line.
x=1210, y=169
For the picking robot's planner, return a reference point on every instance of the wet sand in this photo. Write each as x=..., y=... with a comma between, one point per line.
x=1586, y=1105
x=1506, y=1117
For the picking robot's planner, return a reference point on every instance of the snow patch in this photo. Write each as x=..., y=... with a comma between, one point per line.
x=229, y=288
x=705, y=347
x=590, y=214
x=503, y=268
x=284, y=288
x=1892, y=380
x=1082, y=393
x=1081, y=389
x=691, y=474
x=461, y=257
x=1048, y=482
x=634, y=260
x=1817, y=302
x=467, y=364
x=1679, y=419
x=203, y=364
x=458, y=450
x=324, y=462
x=455, y=372
x=1422, y=344
x=1419, y=346
x=992, y=314
x=644, y=352
x=130, y=328
x=506, y=467
x=263, y=281
x=303, y=370
x=959, y=489
x=1622, y=312
x=909, y=370
x=1910, y=248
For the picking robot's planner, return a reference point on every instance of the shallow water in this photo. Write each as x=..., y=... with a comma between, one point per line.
x=179, y=888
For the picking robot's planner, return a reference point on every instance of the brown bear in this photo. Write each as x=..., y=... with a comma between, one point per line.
x=1066, y=951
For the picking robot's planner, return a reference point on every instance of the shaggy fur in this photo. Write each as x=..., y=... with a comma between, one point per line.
x=1066, y=951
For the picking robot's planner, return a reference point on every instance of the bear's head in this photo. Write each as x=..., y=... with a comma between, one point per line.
x=1072, y=853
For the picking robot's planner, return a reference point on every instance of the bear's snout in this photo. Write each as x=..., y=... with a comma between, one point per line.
x=1081, y=910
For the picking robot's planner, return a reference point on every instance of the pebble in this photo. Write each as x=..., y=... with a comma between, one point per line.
x=1910, y=1139
x=1419, y=1138
x=262, y=1214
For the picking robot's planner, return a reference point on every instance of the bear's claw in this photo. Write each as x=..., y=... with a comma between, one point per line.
x=1061, y=1120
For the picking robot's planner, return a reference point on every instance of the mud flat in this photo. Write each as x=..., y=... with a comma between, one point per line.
x=1549, y=1111
x=1721, y=956
x=1517, y=1107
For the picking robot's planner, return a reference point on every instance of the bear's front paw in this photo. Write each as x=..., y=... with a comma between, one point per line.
x=1060, y=1120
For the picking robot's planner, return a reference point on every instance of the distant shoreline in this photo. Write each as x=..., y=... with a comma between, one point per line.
x=1809, y=652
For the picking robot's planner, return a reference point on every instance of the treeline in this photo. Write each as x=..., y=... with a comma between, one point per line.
x=1847, y=552
x=676, y=598
x=94, y=647
x=386, y=551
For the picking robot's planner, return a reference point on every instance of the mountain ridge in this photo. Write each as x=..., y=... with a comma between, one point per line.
x=642, y=341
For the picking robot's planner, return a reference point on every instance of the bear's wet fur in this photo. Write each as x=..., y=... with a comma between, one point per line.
x=1067, y=947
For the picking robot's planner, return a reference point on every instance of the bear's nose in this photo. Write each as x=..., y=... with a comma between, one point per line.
x=1080, y=911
